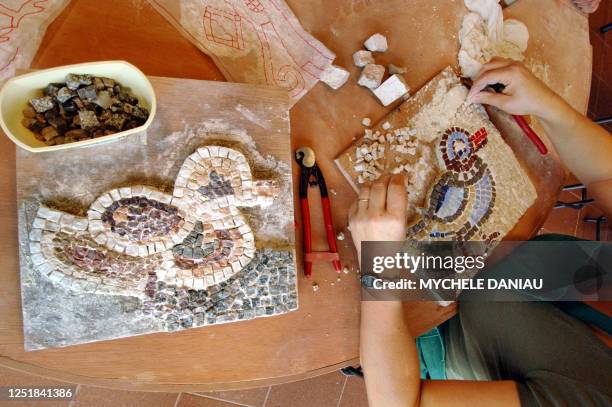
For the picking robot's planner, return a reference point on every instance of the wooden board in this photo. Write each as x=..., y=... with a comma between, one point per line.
x=323, y=335
x=251, y=119
x=412, y=139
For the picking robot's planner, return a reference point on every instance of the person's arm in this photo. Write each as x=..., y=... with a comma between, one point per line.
x=584, y=147
x=388, y=349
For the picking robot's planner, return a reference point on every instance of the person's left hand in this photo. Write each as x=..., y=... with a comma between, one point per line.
x=379, y=214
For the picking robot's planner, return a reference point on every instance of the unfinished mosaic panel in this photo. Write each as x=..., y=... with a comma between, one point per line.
x=464, y=182
x=190, y=258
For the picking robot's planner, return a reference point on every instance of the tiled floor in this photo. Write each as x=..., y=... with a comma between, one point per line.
x=335, y=390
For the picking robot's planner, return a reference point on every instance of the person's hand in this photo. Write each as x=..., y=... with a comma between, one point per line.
x=524, y=94
x=587, y=6
x=379, y=214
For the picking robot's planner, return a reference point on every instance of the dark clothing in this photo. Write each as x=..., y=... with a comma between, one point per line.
x=554, y=358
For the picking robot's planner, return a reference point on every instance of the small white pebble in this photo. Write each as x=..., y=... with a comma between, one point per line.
x=366, y=121
x=377, y=43
x=371, y=76
x=315, y=287
x=393, y=69
x=345, y=270
x=334, y=76
x=361, y=58
x=386, y=125
x=340, y=236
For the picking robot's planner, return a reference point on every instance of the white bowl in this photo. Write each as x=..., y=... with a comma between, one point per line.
x=17, y=91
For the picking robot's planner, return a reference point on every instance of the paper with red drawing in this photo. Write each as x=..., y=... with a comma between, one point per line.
x=252, y=41
x=22, y=26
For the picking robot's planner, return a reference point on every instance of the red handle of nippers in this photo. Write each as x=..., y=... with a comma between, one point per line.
x=307, y=234
x=535, y=139
x=329, y=229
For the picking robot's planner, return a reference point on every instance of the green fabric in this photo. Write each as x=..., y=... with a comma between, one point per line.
x=432, y=355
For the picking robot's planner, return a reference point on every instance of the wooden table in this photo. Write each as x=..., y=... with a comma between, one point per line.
x=323, y=335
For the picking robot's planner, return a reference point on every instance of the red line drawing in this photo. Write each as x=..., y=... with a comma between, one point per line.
x=16, y=16
x=222, y=27
x=10, y=61
x=261, y=30
x=254, y=5
x=325, y=53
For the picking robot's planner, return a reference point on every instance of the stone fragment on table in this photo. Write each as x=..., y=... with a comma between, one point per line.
x=362, y=58
x=73, y=81
x=88, y=93
x=393, y=70
x=334, y=76
x=42, y=104
x=391, y=90
x=65, y=94
x=88, y=119
x=371, y=76
x=376, y=43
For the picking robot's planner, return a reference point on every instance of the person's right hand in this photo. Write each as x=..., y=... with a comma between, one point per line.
x=524, y=94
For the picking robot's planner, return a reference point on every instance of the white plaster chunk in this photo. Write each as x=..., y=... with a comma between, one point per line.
x=371, y=76
x=391, y=90
x=361, y=58
x=376, y=43
x=334, y=76
x=210, y=280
